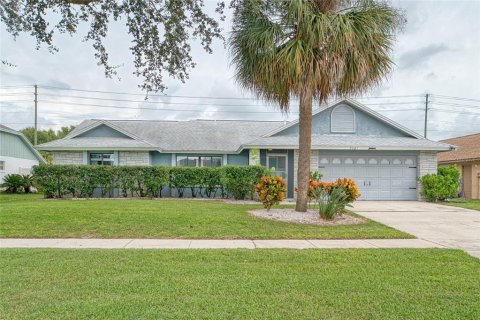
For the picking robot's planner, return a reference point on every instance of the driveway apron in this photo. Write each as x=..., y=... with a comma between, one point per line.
x=451, y=227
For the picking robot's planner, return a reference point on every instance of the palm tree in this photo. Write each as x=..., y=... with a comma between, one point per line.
x=311, y=50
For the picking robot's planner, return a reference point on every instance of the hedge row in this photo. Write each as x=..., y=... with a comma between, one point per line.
x=81, y=181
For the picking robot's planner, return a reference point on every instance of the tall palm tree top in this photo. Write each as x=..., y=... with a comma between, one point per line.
x=283, y=49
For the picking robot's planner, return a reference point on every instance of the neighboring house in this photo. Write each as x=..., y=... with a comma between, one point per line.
x=348, y=140
x=467, y=158
x=17, y=155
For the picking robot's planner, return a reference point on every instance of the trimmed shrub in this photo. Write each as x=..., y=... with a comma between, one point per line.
x=441, y=186
x=239, y=181
x=58, y=181
x=270, y=190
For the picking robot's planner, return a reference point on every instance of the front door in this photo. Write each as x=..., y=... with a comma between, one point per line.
x=277, y=164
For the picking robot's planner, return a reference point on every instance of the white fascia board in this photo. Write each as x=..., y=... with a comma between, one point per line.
x=95, y=149
x=353, y=148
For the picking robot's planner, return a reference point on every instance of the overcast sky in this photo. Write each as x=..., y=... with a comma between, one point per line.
x=437, y=53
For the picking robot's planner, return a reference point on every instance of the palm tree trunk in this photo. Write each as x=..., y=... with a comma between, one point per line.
x=304, y=151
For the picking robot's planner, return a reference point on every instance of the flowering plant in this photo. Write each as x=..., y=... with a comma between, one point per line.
x=270, y=190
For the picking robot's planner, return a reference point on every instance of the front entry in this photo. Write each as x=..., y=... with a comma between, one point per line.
x=277, y=164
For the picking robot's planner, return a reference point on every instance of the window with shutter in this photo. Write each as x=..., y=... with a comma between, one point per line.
x=343, y=119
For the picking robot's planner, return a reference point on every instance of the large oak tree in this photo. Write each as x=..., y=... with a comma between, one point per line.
x=161, y=31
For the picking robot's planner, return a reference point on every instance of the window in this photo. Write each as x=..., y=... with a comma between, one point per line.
x=409, y=162
x=342, y=119
x=397, y=161
x=360, y=161
x=348, y=161
x=385, y=161
x=2, y=165
x=199, y=161
x=324, y=161
x=336, y=161
x=104, y=159
x=372, y=161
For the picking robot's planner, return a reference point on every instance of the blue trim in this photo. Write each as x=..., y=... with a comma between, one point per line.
x=290, y=173
x=263, y=157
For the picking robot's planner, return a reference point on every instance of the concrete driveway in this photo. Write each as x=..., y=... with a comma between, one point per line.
x=448, y=226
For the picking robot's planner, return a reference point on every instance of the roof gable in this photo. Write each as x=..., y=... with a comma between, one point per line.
x=102, y=131
x=368, y=123
x=24, y=140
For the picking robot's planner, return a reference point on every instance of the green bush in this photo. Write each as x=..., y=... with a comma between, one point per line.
x=58, y=181
x=239, y=181
x=440, y=186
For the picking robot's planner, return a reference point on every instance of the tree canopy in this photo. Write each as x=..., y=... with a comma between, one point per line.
x=310, y=50
x=44, y=136
x=161, y=31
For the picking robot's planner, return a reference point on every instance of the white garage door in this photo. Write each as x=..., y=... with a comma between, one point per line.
x=377, y=177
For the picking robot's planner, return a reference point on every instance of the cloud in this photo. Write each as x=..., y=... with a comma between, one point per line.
x=416, y=58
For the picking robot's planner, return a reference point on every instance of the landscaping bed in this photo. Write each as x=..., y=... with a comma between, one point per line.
x=239, y=284
x=30, y=216
x=309, y=217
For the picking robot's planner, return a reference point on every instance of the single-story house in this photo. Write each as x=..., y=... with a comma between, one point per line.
x=467, y=158
x=17, y=154
x=348, y=140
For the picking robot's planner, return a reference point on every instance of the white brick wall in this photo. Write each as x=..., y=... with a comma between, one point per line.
x=313, y=164
x=427, y=163
x=67, y=157
x=133, y=158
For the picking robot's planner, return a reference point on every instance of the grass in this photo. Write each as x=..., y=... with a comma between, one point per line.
x=239, y=284
x=29, y=216
x=464, y=203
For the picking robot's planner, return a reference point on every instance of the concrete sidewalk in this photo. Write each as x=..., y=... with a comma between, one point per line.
x=213, y=244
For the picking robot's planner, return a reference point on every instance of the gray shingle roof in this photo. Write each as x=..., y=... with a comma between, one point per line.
x=352, y=141
x=84, y=143
x=221, y=136
x=174, y=136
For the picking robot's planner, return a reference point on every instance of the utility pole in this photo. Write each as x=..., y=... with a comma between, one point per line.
x=426, y=116
x=36, y=104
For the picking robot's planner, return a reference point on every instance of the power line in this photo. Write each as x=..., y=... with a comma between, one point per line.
x=195, y=97
x=455, y=98
x=157, y=109
x=454, y=111
x=455, y=105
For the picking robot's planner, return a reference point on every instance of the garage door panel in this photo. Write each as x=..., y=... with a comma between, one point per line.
x=396, y=172
x=384, y=195
x=378, y=178
x=372, y=172
x=410, y=173
x=384, y=171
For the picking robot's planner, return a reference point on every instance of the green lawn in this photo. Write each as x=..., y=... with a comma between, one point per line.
x=30, y=216
x=239, y=284
x=464, y=203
